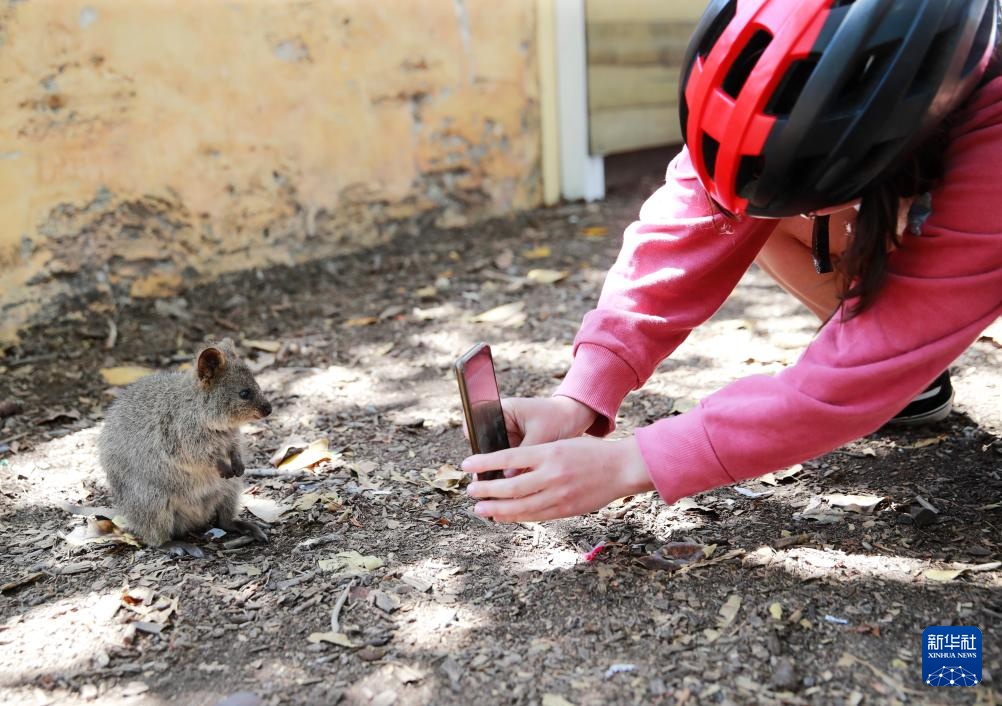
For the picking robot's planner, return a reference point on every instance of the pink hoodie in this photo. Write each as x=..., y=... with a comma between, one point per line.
x=680, y=261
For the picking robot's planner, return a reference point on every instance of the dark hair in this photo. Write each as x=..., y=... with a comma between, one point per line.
x=864, y=262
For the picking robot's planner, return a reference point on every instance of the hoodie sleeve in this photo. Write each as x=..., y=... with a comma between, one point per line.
x=942, y=289
x=677, y=265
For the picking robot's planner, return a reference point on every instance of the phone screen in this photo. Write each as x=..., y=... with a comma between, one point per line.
x=482, y=400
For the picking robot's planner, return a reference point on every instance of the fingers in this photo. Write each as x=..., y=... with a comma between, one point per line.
x=518, y=457
x=518, y=486
x=534, y=508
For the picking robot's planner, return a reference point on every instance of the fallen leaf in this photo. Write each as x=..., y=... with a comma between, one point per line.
x=350, y=563
x=555, y=700
x=58, y=416
x=749, y=493
x=428, y=292
x=263, y=508
x=361, y=321
x=261, y=345
x=776, y=611
x=729, y=611
x=446, y=477
x=923, y=443
x=778, y=477
x=595, y=232
x=537, y=253
x=124, y=374
x=511, y=314
x=547, y=276
x=334, y=638
x=942, y=574
x=316, y=452
x=101, y=530
x=306, y=501
x=854, y=503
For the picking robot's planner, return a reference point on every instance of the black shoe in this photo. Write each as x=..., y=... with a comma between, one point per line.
x=933, y=405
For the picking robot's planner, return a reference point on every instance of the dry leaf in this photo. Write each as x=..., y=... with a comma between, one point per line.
x=538, y=253
x=547, y=276
x=334, y=638
x=511, y=314
x=266, y=346
x=854, y=503
x=729, y=611
x=306, y=501
x=101, y=530
x=263, y=508
x=315, y=453
x=942, y=574
x=361, y=321
x=922, y=443
x=595, y=232
x=446, y=477
x=350, y=563
x=776, y=611
x=779, y=476
x=555, y=700
x=124, y=374
x=428, y=292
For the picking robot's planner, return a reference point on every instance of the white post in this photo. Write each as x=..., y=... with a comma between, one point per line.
x=582, y=176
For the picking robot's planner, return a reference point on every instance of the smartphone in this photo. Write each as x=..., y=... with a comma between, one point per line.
x=478, y=389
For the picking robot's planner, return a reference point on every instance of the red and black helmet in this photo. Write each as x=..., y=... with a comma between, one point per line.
x=791, y=106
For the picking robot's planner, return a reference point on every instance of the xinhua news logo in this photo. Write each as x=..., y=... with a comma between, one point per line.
x=951, y=656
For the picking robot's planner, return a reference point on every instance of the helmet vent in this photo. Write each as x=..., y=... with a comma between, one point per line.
x=841, y=3
x=859, y=83
x=981, y=40
x=790, y=87
x=745, y=62
x=710, y=148
x=929, y=74
x=720, y=22
x=749, y=170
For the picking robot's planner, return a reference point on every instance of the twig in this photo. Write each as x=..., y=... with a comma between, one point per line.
x=31, y=359
x=317, y=541
x=295, y=581
x=14, y=438
x=21, y=582
x=336, y=611
x=112, y=338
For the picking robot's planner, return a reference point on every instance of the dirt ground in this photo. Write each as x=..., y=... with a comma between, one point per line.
x=797, y=595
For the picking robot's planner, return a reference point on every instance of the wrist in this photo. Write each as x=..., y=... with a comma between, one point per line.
x=633, y=471
x=579, y=416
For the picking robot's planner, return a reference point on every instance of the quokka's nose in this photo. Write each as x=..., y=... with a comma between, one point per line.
x=265, y=409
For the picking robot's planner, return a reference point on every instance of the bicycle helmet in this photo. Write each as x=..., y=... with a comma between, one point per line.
x=791, y=106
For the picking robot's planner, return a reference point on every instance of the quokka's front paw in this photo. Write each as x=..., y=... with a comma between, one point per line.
x=226, y=470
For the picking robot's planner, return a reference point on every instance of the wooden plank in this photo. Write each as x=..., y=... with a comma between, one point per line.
x=631, y=86
x=548, y=118
x=643, y=10
x=627, y=129
x=636, y=43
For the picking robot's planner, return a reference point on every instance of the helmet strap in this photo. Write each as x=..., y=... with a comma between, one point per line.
x=819, y=245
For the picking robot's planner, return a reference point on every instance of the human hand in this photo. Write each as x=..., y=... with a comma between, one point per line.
x=563, y=478
x=537, y=420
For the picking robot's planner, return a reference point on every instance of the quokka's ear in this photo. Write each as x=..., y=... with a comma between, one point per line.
x=211, y=362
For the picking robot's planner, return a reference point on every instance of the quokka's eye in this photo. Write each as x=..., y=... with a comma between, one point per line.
x=245, y=394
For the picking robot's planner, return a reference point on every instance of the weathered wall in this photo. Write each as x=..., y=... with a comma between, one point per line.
x=152, y=144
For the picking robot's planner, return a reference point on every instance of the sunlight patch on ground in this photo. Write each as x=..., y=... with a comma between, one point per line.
x=810, y=563
x=57, y=469
x=59, y=637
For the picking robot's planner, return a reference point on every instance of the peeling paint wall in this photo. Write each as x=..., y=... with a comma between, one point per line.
x=147, y=145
